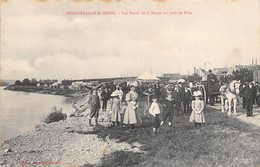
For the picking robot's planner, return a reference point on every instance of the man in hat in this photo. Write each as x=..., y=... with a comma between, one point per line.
x=178, y=96
x=187, y=97
x=157, y=89
x=104, y=98
x=212, y=77
x=212, y=86
x=224, y=78
x=250, y=95
x=242, y=93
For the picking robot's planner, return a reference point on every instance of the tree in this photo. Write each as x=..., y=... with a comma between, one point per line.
x=26, y=82
x=45, y=82
x=54, y=80
x=66, y=82
x=17, y=82
x=34, y=82
x=243, y=74
x=192, y=78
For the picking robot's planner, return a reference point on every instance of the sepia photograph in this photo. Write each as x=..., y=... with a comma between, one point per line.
x=121, y=83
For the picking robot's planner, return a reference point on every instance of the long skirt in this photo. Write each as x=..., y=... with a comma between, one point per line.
x=115, y=114
x=130, y=116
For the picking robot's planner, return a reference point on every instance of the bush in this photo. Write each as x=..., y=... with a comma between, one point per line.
x=54, y=116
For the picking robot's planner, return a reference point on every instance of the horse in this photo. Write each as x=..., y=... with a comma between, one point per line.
x=229, y=93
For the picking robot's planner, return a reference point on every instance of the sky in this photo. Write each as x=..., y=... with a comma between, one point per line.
x=40, y=40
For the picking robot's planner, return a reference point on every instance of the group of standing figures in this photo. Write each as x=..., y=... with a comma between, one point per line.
x=162, y=102
x=123, y=106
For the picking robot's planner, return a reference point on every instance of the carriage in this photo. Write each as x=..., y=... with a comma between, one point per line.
x=211, y=91
x=194, y=86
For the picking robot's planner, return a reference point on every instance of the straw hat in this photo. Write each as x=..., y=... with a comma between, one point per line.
x=181, y=81
x=115, y=93
x=197, y=93
x=135, y=83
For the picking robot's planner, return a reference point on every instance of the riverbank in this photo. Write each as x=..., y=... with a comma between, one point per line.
x=222, y=141
x=65, y=143
x=47, y=90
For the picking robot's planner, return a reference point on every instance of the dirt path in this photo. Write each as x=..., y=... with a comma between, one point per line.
x=241, y=114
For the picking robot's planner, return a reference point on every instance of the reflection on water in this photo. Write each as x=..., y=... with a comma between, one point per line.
x=21, y=111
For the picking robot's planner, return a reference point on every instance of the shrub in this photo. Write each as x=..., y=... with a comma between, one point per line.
x=54, y=116
x=121, y=158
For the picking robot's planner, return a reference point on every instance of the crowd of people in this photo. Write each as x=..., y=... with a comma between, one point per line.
x=124, y=107
x=161, y=102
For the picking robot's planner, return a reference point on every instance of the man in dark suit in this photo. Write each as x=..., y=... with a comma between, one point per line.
x=224, y=78
x=250, y=94
x=257, y=94
x=187, y=99
x=178, y=97
x=157, y=89
x=212, y=87
x=105, y=97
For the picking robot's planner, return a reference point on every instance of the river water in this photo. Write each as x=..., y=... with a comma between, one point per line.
x=21, y=111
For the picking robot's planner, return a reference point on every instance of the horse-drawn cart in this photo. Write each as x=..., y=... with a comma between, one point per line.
x=212, y=91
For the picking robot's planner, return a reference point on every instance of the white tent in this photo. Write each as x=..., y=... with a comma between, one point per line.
x=200, y=72
x=147, y=77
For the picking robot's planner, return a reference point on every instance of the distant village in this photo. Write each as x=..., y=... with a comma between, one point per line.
x=164, y=78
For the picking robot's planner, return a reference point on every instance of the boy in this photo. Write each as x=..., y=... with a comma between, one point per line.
x=94, y=103
x=168, y=108
x=155, y=112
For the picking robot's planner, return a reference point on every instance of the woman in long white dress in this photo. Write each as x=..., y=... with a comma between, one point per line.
x=131, y=116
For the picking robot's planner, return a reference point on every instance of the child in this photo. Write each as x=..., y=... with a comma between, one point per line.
x=197, y=115
x=155, y=112
x=168, y=108
x=115, y=109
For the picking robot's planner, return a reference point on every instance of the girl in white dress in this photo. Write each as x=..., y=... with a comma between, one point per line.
x=115, y=108
x=197, y=115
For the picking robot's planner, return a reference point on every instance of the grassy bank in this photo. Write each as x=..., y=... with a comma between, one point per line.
x=222, y=141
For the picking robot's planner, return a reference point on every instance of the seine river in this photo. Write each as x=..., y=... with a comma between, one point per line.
x=21, y=111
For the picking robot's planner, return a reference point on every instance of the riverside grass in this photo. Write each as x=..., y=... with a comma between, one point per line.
x=221, y=141
x=54, y=116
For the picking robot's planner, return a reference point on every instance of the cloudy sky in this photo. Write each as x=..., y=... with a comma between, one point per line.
x=38, y=39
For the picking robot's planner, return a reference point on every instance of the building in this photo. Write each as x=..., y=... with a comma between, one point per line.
x=174, y=76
